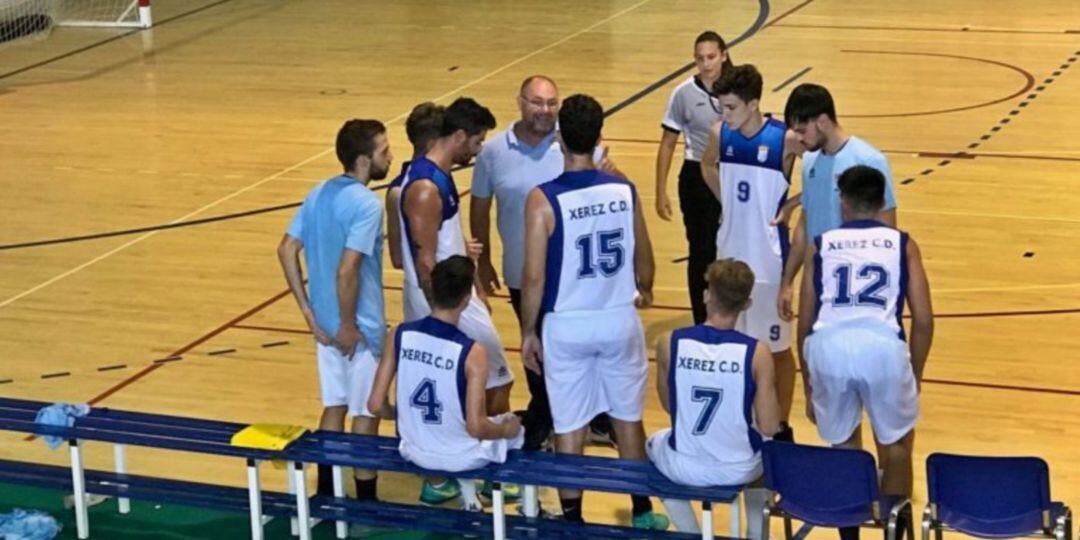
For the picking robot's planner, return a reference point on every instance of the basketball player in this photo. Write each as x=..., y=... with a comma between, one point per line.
x=441, y=377
x=422, y=128
x=756, y=155
x=811, y=115
x=859, y=277
x=511, y=163
x=431, y=223
x=693, y=110
x=339, y=229
x=431, y=226
x=706, y=375
x=588, y=260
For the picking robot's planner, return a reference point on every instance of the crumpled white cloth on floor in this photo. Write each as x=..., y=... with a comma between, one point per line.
x=28, y=525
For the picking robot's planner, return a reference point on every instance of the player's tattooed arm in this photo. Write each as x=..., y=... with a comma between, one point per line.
x=423, y=208
x=393, y=227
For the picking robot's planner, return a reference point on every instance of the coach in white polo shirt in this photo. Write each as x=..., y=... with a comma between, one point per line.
x=511, y=163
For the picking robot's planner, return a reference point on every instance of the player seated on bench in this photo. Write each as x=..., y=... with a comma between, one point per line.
x=707, y=377
x=442, y=374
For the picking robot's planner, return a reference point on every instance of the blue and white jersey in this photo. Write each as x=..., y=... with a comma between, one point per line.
x=753, y=187
x=590, y=254
x=861, y=274
x=431, y=387
x=711, y=394
x=451, y=240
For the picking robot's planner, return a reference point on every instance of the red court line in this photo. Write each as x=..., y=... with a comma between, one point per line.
x=922, y=29
x=1033, y=389
x=272, y=329
x=1030, y=156
x=989, y=386
x=918, y=153
x=1027, y=86
x=198, y=341
x=947, y=155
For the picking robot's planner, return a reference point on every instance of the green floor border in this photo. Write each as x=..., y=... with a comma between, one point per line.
x=168, y=521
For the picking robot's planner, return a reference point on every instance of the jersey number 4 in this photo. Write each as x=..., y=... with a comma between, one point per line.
x=608, y=257
x=868, y=295
x=711, y=397
x=427, y=400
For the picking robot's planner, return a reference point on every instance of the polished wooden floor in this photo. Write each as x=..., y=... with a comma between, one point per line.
x=233, y=108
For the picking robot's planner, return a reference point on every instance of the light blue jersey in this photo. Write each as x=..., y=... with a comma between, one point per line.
x=508, y=169
x=343, y=213
x=820, y=172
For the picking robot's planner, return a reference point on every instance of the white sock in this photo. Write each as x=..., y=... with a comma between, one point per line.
x=469, y=500
x=682, y=515
x=755, y=499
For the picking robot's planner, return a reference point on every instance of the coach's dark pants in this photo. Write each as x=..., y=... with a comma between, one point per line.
x=701, y=218
x=537, y=419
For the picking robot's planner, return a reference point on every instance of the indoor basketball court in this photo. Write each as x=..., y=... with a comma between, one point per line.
x=150, y=173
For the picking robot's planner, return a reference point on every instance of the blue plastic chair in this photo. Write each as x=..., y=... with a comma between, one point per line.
x=992, y=497
x=829, y=487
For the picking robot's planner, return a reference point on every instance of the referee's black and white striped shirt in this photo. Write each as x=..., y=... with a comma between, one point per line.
x=692, y=111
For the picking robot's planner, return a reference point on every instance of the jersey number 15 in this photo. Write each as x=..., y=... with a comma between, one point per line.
x=608, y=256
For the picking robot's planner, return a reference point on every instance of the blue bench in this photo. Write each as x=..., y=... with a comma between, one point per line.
x=123, y=428
x=145, y=488
x=529, y=469
x=346, y=450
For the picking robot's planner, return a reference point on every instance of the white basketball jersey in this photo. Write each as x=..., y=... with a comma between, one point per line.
x=451, y=240
x=590, y=254
x=753, y=187
x=711, y=394
x=431, y=387
x=861, y=273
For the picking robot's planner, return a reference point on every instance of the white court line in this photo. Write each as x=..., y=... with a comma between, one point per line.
x=319, y=155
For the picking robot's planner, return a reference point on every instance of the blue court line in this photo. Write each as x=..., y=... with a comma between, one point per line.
x=759, y=23
x=792, y=79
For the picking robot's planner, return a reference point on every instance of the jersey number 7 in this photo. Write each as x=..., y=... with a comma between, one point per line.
x=712, y=397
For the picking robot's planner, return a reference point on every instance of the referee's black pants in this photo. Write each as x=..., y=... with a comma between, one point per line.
x=701, y=218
